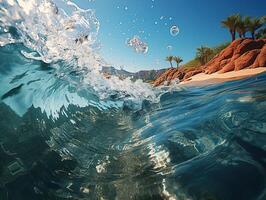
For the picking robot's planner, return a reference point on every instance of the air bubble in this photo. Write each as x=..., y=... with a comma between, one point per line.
x=174, y=30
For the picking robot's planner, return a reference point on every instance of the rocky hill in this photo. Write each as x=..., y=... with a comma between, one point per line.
x=117, y=72
x=145, y=75
x=149, y=75
x=240, y=54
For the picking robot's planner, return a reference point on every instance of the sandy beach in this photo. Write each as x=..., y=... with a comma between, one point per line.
x=206, y=79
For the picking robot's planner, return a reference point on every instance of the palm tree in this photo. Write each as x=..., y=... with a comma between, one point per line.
x=261, y=34
x=246, y=22
x=170, y=59
x=178, y=60
x=254, y=25
x=263, y=19
x=203, y=54
x=242, y=26
x=231, y=23
x=200, y=55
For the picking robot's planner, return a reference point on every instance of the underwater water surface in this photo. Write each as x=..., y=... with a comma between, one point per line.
x=66, y=132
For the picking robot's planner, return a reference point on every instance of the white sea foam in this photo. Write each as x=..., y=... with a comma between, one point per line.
x=56, y=33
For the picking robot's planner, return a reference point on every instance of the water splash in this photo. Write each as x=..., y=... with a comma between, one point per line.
x=64, y=36
x=137, y=44
x=55, y=33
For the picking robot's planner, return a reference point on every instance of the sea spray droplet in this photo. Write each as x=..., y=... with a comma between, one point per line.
x=138, y=45
x=169, y=48
x=174, y=30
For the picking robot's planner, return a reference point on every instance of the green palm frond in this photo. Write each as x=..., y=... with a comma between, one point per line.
x=178, y=60
x=231, y=22
x=255, y=24
x=204, y=54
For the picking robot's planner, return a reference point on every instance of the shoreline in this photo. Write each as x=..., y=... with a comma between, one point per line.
x=202, y=79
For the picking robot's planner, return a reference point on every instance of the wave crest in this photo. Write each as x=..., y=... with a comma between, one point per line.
x=65, y=36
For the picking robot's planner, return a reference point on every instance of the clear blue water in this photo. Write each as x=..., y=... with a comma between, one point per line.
x=194, y=143
x=67, y=132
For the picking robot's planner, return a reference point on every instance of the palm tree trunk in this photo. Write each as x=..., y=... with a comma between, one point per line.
x=233, y=35
x=206, y=59
x=171, y=64
x=253, y=35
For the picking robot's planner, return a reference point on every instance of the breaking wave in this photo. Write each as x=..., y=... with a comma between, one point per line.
x=65, y=39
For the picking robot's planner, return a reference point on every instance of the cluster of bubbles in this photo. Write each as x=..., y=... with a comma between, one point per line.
x=138, y=45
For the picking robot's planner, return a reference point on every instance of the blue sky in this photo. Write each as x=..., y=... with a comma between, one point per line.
x=199, y=22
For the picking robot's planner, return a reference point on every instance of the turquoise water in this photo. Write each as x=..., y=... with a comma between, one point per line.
x=194, y=143
x=66, y=132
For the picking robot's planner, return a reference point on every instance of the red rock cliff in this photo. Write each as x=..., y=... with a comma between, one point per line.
x=240, y=54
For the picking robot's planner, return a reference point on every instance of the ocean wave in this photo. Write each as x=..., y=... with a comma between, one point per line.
x=68, y=132
x=63, y=37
